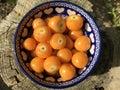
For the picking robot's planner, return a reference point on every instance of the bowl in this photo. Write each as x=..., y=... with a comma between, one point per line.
x=64, y=9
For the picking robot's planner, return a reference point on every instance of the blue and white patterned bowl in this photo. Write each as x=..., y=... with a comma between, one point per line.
x=64, y=9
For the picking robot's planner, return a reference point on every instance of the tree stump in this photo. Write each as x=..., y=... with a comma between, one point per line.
x=9, y=70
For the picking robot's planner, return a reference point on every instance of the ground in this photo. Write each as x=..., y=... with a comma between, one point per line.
x=5, y=9
x=106, y=73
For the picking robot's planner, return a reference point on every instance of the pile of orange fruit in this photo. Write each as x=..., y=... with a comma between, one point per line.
x=58, y=46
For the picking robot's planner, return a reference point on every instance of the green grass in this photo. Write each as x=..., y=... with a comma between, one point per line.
x=115, y=13
x=12, y=1
x=105, y=1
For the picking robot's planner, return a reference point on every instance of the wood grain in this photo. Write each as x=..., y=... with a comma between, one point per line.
x=9, y=70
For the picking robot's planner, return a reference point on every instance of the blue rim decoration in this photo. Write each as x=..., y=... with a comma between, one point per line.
x=94, y=33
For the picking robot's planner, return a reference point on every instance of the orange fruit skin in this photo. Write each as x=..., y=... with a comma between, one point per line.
x=42, y=33
x=65, y=55
x=82, y=43
x=67, y=71
x=52, y=64
x=43, y=50
x=36, y=64
x=80, y=59
x=58, y=46
x=38, y=22
x=47, y=21
x=74, y=22
x=29, y=44
x=57, y=23
x=75, y=34
x=69, y=42
x=58, y=41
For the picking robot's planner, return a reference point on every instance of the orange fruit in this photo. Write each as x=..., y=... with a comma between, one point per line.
x=36, y=64
x=65, y=55
x=82, y=43
x=69, y=42
x=47, y=21
x=67, y=71
x=80, y=59
x=57, y=23
x=75, y=34
x=74, y=22
x=38, y=22
x=42, y=33
x=52, y=64
x=58, y=41
x=29, y=44
x=43, y=50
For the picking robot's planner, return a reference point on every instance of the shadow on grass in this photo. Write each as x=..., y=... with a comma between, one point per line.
x=3, y=86
x=110, y=38
x=106, y=57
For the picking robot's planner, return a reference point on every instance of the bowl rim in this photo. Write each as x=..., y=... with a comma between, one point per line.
x=22, y=69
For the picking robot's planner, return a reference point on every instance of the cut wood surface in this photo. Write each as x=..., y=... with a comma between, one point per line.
x=13, y=76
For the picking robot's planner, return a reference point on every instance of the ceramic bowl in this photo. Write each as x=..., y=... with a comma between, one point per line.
x=64, y=9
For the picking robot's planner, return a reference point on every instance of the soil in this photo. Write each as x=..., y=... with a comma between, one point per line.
x=5, y=8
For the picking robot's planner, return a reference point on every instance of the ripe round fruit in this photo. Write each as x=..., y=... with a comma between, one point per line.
x=75, y=34
x=58, y=41
x=42, y=33
x=80, y=59
x=67, y=71
x=29, y=44
x=36, y=65
x=38, y=22
x=43, y=50
x=74, y=22
x=82, y=43
x=69, y=42
x=65, y=55
x=52, y=64
x=57, y=23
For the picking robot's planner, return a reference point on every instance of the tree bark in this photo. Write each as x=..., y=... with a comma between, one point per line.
x=9, y=70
